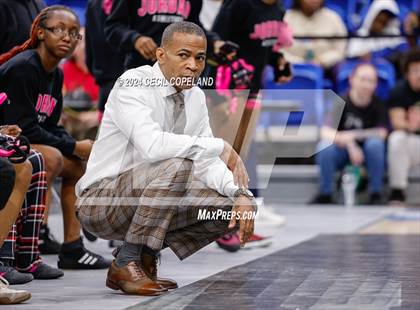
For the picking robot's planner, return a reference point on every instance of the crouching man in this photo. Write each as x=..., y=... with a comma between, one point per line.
x=156, y=164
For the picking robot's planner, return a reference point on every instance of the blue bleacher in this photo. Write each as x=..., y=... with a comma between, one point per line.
x=79, y=6
x=386, y=74
x=305, y=77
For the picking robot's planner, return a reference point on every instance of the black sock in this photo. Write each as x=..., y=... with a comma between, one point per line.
x=74, y=247
x=129, y=252
x=149, y=251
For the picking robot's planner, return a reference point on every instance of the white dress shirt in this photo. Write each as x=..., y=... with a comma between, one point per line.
x=136, y=128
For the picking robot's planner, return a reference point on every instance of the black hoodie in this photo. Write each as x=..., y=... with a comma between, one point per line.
x=252, y=25
x=36, y=101
x=130, y=19
x=103, y=61
x=16, y=17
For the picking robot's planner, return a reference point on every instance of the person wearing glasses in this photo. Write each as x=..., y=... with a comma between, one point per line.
x=29, y=74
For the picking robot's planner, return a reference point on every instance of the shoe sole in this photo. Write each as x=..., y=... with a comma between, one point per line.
x=17, y=300
x=261, y=244
x=49, y=277
x=114, y=286
x=229, y=248
x=80, y=267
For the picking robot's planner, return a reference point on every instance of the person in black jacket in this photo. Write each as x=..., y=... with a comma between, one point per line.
x=256, y=27
x=102, y=59
x=136, y=27
x=16, y=17
x=30, y=76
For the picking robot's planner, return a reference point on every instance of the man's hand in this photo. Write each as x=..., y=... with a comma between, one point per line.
x=242, y=206
x=344, y=138
x=235, y=164
x=83, y=148
x=10, y=130
x=217, y=45
x=146, y=47
x=356, y=154
x=282, y=65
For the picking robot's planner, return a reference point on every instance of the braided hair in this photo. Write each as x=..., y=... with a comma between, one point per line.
x=38, y=22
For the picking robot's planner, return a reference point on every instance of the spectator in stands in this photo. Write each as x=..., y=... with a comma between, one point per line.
x=29, y=74
x=99, y=52
x=136, y=27
x=77, y=77
x=404, y=113
x=412, y=27
x=382, y=18
x=257, y=27
x=16, y=18
x=311, y=18
x=81, y=94
x=360, y=138
x=209, y=12
x=17, y=179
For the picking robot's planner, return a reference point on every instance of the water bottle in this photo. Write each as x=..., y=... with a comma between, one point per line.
x=348, y=186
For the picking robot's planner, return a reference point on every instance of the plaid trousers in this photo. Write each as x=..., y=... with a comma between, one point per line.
x=157, y=205
x=21, y=244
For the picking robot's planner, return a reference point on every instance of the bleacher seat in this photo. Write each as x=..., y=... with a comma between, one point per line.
x=79, y=6
x=386, y=74
x=305, y=77
x=346, y=9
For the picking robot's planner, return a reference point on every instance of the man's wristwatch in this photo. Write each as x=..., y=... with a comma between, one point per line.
x=243, y=191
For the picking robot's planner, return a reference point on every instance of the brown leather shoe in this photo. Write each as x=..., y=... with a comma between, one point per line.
x=132, y=279
x=149, y=264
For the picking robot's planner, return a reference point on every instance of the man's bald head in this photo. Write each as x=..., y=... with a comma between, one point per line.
x=180, y=27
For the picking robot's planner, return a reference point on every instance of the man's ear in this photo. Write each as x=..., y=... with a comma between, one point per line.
x=160, y=55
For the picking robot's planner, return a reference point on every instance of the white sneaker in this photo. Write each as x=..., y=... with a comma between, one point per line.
x=10, y=296
x=267, y=216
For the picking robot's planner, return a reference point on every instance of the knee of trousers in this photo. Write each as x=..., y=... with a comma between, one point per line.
x=397, y=141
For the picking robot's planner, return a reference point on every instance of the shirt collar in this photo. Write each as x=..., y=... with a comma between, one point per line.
x=165, y=90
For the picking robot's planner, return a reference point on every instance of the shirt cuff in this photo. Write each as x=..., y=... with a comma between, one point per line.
x=229, y=189
x=213, y=147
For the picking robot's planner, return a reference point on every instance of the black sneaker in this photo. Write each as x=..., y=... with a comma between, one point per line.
x=43, y=271
x=322, y=199
x=397, y=195
x=47, y=242
x=13, y=276
x=375, y=199
x=75, y=256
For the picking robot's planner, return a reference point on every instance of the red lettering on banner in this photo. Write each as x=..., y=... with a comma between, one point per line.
x=45, y=104
x=269, y=29
x=172, y=6
x=152, y=7
x=163, y=6
x=53, y=103
x=143, y=9
x=38, y=103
